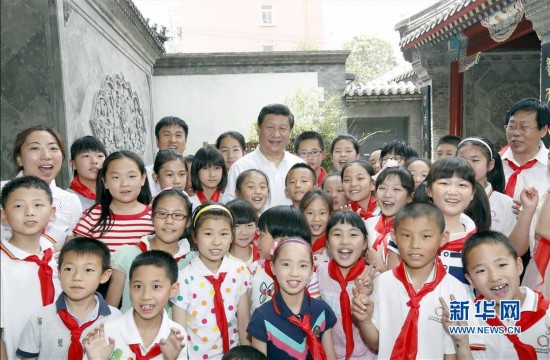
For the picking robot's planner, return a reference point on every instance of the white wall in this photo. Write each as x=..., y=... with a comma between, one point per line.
x=212, y=104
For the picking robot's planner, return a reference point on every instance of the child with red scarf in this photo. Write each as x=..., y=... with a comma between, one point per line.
x=316, y=205
x=358, y=186
x=403, y=319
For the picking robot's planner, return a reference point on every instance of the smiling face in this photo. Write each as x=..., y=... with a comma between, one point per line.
x=451, y=195
x=299, y=182
x=80, y=275
x=274, y=135
x=346, y=244
x=333, y=186
x=357, y=183
x=494, y=272
x=40, y=156
x=419, y=170
x=254, y=189
x=169, y=230
x=213, y=240
x=124, y=180
x=478, y=161
x=231, y=150
x=210, y=177
x=244, y=234
x=172, y=137
x=172, y=174
x=342, y=153
x=150, y=291
x=392, y=196
x=524, y=142
x=293, y=267
x=87, y=164
x=317, y=215
x=374, y=160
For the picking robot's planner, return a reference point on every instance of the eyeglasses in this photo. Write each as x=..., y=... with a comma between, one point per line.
x=396, y=158
x=164, y=215
x=313, y=154
x=523, y=128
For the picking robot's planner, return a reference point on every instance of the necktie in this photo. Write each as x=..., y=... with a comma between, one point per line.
x=458, y=244
x=215, y=196
x=136, y=349
x=382, y=228
x=82, y=189
x=319, y=244
x=527, y=319
x=542, y=256
x=221, y=319
x=335, y=273
x=406, y=345
x=365, y=214
x=75, y=349
x=511, y=185
x=44, y=275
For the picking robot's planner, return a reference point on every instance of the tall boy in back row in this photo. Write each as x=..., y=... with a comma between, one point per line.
x=310, y=147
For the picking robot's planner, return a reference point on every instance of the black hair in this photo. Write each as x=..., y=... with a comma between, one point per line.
x=216, y=212
x=204, y=158
x=86, y=246
x=496, y=175
x=531, y=105
x=296, y=240
x=176, y=193
x=332, y=174
x=243, y=211
x=244, y=352
x=26, y=182
x=399, y=147
x=311, y=195
x=418, y=210
x=234, y=135
x=404, y=176
x=242, y=177
x=189, y=158
x=276, y=109
x=364, y=164
x=158, y=258
x=347, y=217
x=449, y=167
x=485, y=237
x=284, y=221
x=414, y=159
x=308, y=135
x=449, y=139
x=21, y=137
x=103, y=195
x=85, y=144
x=171, y=121
x=301, y=165
x=164, y=156
x=347, y=137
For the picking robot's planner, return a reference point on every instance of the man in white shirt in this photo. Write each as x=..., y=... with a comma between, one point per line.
x=275, y=123
x=171, y=133
x=524, y=161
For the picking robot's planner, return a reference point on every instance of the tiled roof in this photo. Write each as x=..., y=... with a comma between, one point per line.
x=444, y=19
x=381, y=88
x=135, y=16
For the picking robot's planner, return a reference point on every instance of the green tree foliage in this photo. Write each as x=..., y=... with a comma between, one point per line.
x=370, y=57
x=304, y=45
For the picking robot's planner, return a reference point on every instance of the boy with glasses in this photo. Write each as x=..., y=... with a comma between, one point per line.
x=310, y=147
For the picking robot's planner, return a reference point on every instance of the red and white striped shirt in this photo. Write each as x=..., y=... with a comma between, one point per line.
x=125, y=229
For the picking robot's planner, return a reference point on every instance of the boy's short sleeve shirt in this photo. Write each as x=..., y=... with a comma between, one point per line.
x=285, y=340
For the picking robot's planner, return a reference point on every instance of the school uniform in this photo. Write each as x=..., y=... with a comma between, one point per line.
x=125, y=333
x=372, y=236
x=46, y=335
x=503, y=219
x=285, y=340
x=20, y=289
x=196, y=202
x=537, y=175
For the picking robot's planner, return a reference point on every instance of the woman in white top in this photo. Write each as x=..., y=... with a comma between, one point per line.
x=39, y=151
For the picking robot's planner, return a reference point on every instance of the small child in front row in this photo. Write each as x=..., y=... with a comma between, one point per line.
x=316, y=206
x=347, y=241
x=145, y=331
x=213, y=302
x=55, y=331
x=293, y=325
x=29, y=279
x=300, y=179
x=399, y=319
x=276, y=224
x=243, y=247
x=493, y=268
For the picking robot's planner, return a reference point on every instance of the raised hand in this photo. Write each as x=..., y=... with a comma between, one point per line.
x=173, y=345
x=361, y=306
x=95, y=345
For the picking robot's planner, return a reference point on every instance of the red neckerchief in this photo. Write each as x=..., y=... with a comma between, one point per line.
x=82, y=189
x=511, y=185
x=215, y=196
x=314, y=344
x=136, y=349
x=382, y=228
x=267, y=267
x=319, y=244
x=542, y=256
x=75, y=349
x=458, y=244
x=365, y=214
x=321, y=177
x=526, y=320
x=406, y=344
x=221, y=318
x=255, y=252
x=345, y=303
x=45, y=273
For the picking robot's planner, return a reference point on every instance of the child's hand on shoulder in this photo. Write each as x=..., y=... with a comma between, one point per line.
x=95, y=345
x=362, y=307
x=173, y=345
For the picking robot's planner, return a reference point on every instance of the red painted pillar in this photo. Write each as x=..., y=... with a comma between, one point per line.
x=455, y=103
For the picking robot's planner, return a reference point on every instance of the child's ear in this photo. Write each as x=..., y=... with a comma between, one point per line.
x=444, y=238
x=286, y=193
x=3, y=216
x=491, y=164
x=470, y=280
x=428, y=191
x=519, y=264
x=175, y=289
x=106, y=276
x=52, y=214
x=71, y=164
x=155, y=177
x=104, y=184
x=323, y=155
x=143, y=178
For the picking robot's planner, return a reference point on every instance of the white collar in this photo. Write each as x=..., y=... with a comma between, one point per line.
x=183, y=245
x=45, y=243
x=541, y=156
x=130, y=333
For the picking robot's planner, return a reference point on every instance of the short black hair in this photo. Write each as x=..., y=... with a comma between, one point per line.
x=242, y=177
x=531, y=104
x=219, y=211
x=449, y=139
x=418, y=210
x=244, y=352
x=85, y=144
x=276, y=109
x=347, y=217
x=243, y=211
x=158, y=258
x=364, y=164
x=26, y=182
x=347, y=137
x=206, y=157
x=308, y=135
x=284, y=221
x=170, y=121
x=163, y=156
x=399, y=147
x=86, y=246
x=485, y=237
x=404, y=176
x=301, y=165
x=234, y=135
x=312, y=195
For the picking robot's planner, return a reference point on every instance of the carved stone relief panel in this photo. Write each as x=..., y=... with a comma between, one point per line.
x=117, y=118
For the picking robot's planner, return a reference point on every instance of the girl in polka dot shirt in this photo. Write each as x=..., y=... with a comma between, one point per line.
x=212, y=303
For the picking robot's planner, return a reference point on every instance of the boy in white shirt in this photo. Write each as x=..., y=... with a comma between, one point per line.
x=145, y=331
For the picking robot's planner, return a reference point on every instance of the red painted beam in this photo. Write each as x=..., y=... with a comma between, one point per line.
x=455, y=100
x=479, y=39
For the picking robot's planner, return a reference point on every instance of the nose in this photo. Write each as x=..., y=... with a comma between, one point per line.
x=77, y=274
x=414, y=243
x=29, y=210
x=177, y=180
x=45, y=153
x=94, y=159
